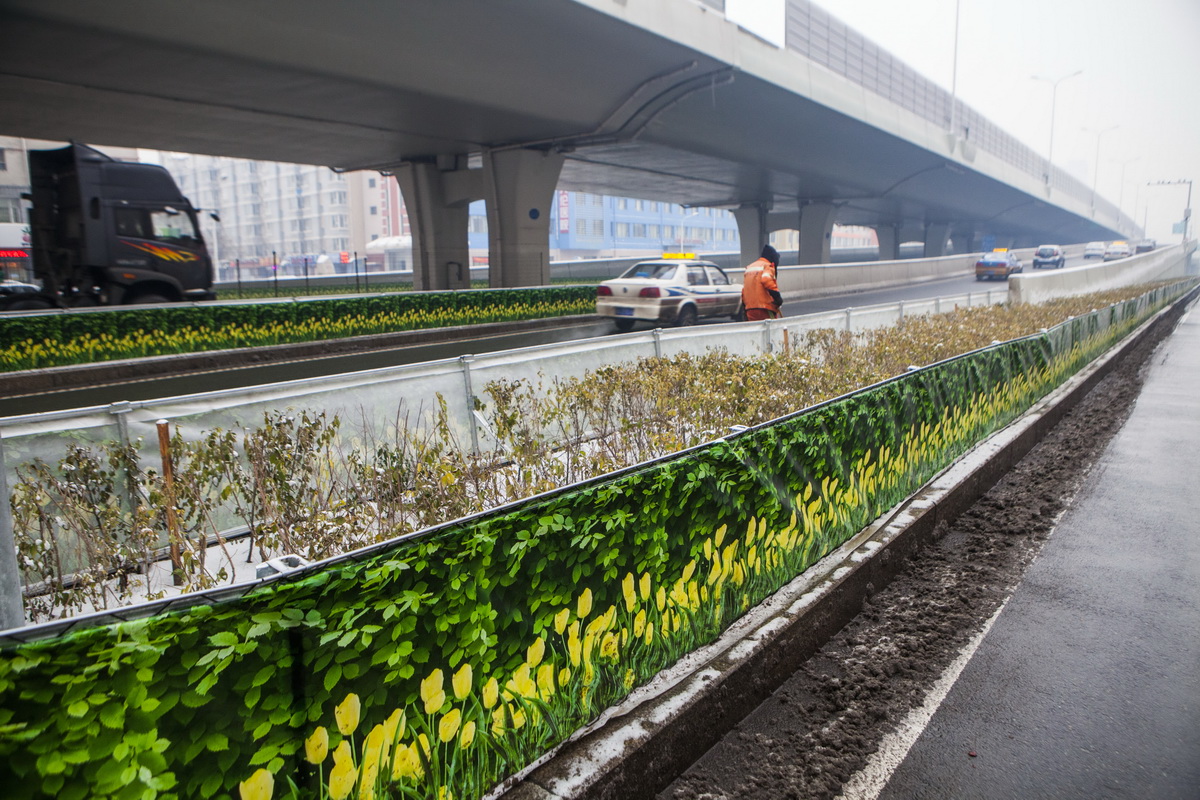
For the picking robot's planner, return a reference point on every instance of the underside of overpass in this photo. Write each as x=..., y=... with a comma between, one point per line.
x=470, y=99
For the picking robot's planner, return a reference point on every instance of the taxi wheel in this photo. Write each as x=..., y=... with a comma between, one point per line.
x=687, y=316
x=623, y=324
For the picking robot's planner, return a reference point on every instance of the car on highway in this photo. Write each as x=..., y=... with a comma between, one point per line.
x=1049, y=255
x=998, y=264
x=1094, y=249
x=1117, y=250
x=1145, y=246
x=11, y=287
x=677, y=289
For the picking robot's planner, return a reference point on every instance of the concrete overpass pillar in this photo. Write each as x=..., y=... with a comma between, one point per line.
x=889, y=242
x=752, y=230
x=441, y=257
x=816, y=230
x=936, y=235
x=519, y=188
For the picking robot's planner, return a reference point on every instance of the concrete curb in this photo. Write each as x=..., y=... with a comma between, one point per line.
x=37, y=381
x=667, y=725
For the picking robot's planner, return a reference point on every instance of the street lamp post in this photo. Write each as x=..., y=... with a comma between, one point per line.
x=1121, y=193
x=1096, y=166
x=1053, y=104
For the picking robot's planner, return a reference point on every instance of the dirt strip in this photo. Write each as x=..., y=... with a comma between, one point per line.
x=821, y=726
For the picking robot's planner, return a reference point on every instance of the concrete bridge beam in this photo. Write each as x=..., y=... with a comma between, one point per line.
x=816, y=232
x=936, y=235
x=753, y=229
x=438, y=220
x=519, y=188
x=889, y=242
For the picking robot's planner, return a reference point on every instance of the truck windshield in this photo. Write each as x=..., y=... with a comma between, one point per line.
x=175, y=227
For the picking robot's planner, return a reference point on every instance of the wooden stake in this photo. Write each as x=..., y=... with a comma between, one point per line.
x=786, y=344
x=173, y=534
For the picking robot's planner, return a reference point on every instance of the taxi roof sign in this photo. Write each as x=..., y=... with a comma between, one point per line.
x=999, y=249
x=678, y=255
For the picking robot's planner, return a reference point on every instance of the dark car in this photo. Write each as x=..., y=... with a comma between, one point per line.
x=1145, y=246
x=997, y=264
x=1049, y=255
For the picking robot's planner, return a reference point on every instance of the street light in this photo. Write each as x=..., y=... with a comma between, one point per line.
x=1096, y=166
x=1053, y=103
x=1187, y=209
x=1121, y=193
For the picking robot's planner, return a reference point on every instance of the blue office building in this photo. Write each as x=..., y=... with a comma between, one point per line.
x=585, y=225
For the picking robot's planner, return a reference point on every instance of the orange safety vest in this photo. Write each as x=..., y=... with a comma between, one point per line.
x=758, y=279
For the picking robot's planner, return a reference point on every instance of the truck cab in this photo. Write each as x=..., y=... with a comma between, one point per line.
x=106, y=232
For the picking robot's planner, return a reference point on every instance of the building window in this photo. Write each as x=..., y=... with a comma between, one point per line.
x=371, y=184
x=621, y=231
x=3, y=160
x=374, y=210
x=337, y=198
x=10, y=210
x=338, y=220
x=622, y=203
x=639, y=230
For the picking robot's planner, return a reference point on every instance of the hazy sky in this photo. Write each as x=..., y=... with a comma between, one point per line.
x=1140, y=62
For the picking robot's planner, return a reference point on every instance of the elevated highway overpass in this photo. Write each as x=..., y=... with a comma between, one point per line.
x=466, y=99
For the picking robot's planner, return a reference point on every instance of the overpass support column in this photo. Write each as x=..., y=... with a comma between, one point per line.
x=752, y=230
x=441, y=257
x=936, y=235
x=816, y=230
x=519, y=187
x=889, y=242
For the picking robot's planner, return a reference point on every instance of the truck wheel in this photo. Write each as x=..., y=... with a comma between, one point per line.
x=149, y=297
x=623, y=325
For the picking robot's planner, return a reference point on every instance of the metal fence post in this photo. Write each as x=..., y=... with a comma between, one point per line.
x=466, y=371
x=658, y=342
x=848, y=310
x=12, y=609
x=900, y=312
x=766, y=345
x=127, y=487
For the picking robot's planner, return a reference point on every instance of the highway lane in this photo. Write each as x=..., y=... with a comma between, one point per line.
x=259, y=374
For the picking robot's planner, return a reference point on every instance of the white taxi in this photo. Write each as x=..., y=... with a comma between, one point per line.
x=676, y=289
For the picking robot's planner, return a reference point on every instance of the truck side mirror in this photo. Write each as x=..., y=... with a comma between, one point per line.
x=170, y=210
x=215, y=215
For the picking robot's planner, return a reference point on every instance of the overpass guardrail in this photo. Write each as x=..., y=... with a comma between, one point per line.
x=447, y=660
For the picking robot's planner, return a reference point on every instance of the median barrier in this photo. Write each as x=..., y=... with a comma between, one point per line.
x=446, y=661
x=1039, y=286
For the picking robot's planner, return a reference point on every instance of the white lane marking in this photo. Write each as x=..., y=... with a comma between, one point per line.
x=868, y=782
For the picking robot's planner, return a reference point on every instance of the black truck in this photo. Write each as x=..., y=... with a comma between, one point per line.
x=108, y=232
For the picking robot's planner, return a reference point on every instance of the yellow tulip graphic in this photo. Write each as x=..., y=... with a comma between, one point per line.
x=536, y=652
x=545, y=681
x=491, y=692
x=347, y=714
x=394, y=726
x=406, y=763
x=462, y=682
x=639, y=623
x=628, y=591
x=644, y=587
x=343, y=774
x=259, y=786
x=522, y=683
x=468, y=734
x=608, y=646
x=432, y=693
x=316, y=747
x=449, y=725
x=561, y=619
x=585, y=604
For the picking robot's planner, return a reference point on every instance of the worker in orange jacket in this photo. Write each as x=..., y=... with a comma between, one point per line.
x=760, y=293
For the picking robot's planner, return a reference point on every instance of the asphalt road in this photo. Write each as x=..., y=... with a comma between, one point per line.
x=1088, y=683
x=291, y=370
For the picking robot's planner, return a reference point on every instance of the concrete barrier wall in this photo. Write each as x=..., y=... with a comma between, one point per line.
x=1159, y=264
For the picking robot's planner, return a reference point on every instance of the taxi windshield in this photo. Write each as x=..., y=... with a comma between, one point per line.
x=655, y=271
